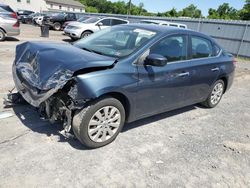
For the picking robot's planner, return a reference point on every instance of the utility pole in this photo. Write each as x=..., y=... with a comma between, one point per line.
x=129, y=8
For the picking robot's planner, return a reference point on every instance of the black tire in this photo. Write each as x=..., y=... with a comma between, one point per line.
x=2, y=35
x=82, y=118
x=86, y=34
x=57, y=26
x=208, y=103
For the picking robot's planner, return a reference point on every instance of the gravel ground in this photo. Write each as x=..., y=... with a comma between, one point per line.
x=189, y=147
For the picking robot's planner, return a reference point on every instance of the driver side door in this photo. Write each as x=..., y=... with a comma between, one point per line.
x=168, y=87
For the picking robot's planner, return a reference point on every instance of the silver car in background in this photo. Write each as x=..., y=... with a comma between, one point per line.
x=77, y=30
x=9, y=24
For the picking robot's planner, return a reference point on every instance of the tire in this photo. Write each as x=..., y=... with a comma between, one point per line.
x=212, y=100
x=86, y=34
x=57, y=26
x=2, y=35
x=97, y=133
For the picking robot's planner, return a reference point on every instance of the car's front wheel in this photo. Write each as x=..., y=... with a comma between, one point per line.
x=215, y=95
x=99, y=123
x=85, y=34
x=2, y=35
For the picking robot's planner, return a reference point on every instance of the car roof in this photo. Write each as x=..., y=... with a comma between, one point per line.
x=156, y=21
x=113, y=18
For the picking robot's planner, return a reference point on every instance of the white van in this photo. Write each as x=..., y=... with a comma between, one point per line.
x=162, y=22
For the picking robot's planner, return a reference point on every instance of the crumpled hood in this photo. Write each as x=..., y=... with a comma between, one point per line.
x=40, y=68
x=45, y=64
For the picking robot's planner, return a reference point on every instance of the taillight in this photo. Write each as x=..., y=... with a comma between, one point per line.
x=234, y=61
x=17, y=24
x=14, y=15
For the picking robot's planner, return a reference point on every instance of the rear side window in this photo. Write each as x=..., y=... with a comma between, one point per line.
x=174, y=48
x=5, y=9
x=117, y=22
x=201, y=47
x=106, y=22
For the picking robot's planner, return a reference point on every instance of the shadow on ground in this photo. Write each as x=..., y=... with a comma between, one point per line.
x=11, y=39
x=29, y=116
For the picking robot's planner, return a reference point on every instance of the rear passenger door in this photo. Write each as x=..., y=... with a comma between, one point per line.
x=205, y=64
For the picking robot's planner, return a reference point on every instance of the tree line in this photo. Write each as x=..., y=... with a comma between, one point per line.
x=224, y=11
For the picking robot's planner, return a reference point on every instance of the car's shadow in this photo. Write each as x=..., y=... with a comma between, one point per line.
x=11, y=39
x=30, y=118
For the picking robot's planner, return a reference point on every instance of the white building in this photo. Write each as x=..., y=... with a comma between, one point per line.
x=45, y=5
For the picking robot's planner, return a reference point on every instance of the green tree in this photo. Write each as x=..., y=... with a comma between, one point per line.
x=224, y=11
x=191, y=11
x=91, y=9
x=245, y=12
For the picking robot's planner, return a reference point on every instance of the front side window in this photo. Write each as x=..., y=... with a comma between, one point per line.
x=174, y=48
x=117, y=41
x=201, y=47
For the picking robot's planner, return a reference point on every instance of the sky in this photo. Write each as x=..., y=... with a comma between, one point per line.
x=204, y=5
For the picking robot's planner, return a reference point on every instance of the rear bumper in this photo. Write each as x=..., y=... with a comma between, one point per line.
x=230, y=79
x=13, y=32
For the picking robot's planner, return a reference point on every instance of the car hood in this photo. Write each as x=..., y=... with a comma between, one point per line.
x=44, y=66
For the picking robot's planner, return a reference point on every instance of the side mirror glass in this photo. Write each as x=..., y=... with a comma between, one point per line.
x=156, y=60
x=99, y=24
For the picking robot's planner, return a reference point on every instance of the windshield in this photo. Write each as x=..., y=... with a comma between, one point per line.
x=82, y=19
x=118, y=41
x=91, y=20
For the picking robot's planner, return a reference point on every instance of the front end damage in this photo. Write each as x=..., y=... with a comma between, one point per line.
x=49, y=83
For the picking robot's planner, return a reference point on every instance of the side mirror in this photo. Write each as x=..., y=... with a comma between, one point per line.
x=99, y=24
x=156, y=60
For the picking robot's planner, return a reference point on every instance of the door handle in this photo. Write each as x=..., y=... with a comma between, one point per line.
x=215, y=69
x=183, y=74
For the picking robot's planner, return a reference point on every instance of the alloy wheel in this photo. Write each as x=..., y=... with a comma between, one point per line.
x=104, y=124
x=217, y=93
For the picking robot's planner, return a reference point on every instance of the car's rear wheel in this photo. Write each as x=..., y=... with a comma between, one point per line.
x=57, y=26
x=215, y=95
x=2, y=35
x=86, y=34
x=99, y=123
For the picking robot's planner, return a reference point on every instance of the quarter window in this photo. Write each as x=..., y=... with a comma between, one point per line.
x=173, y=48
x=201, y=47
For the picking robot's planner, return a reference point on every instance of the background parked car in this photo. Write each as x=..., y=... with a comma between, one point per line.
x=165, y=23
x=82, y=19
x=30, y=19
x=23, y=14
x=9, y=24
x=79, y=30
x=57, y=20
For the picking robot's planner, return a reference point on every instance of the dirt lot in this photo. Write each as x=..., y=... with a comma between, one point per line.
x=190, y=147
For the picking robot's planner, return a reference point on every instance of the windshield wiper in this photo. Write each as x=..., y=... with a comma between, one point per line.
x=93, y=51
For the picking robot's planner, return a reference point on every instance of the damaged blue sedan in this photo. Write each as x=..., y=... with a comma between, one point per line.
x=121, y=74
